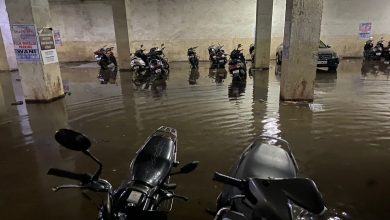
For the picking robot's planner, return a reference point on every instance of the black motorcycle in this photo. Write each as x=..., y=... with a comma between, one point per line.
x=373, y=53
x=263, y=184
x=237, y=64
x=158, y=53
x=217, y=56
x=193, y=58
x=148, y=190
x=105, y=56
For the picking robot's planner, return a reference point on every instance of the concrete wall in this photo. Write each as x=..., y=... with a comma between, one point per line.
x=86, y=25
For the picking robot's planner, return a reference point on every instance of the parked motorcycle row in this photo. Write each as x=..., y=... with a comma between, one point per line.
x=153, y=64
x=237, y=63
x=378, y=51
x=262, y=184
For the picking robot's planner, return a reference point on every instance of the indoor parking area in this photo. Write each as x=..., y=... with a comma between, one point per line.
x=195, y=109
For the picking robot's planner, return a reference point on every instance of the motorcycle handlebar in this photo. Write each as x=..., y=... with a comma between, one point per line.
x=219, y=177
x=70, y=175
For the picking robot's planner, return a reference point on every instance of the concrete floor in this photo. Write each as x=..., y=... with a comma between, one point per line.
x=341, y=140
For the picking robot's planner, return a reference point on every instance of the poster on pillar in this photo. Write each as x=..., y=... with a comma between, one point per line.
x=365, y=30
x=46, y=42
x=25, y=42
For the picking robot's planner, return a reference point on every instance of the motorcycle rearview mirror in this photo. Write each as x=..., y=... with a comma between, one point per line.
x=76, y=141
x=328, y=46
x=187, y=168
x=162, y=44
x=72, y=140
x=239, y=45
x=142, y=45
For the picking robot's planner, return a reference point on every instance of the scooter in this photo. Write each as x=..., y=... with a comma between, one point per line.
x=148, y=190
x=192, y=57
x=138, y=62
x=237, y=65
x=263, y=184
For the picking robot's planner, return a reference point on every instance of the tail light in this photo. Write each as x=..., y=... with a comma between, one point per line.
x=234, y=66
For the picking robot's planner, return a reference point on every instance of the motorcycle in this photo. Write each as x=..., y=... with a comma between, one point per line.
x=105, y=56
x=138, y=62
x=263, y=184
x=237, y=64
x=217, y=56
x=192, y=57
x=157, y=70
x=373, y=53
x=148, y=189
x=158, y=53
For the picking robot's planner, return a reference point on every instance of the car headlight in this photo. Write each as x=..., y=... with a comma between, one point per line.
x=334, y=56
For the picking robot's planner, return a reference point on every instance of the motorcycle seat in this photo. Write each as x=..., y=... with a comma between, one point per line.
x=154, y=161
x=266, y=161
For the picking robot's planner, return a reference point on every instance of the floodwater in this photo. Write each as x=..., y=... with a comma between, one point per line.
x=342, y=140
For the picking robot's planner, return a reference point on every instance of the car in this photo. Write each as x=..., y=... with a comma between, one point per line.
x=326, y=56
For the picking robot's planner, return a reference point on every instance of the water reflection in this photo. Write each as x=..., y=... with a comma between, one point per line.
x=218, y=75
x=375, y=69
x=108, y=75
x=236, y=89
x=194, y=75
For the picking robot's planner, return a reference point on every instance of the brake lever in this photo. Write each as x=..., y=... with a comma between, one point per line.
x=68, y=186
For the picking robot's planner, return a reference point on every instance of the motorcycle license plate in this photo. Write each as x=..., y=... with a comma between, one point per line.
x=221, y=61
x=322, y=62
x=387, y=62
x=236, y=71
x=158, y=71
x=134, y=197
x=378, y=54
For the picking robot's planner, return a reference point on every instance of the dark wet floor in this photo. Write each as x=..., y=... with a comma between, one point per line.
x=342, y=140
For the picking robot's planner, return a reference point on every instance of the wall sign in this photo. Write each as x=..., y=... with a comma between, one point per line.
x=25, y=42
x=57, y=37
x=365, y=30
x=46, y=42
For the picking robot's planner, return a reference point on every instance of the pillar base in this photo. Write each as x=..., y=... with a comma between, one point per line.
x=296, y=100
x=40, y=101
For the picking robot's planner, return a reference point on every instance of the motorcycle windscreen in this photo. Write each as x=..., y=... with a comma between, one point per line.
x=154, y=162
x=264, y=161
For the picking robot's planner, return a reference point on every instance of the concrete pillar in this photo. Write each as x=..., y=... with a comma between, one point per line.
x=41, y=82
x=300, y=49
x=3, y=57
x=7, y=53
x=263, y=33
x=122, y=25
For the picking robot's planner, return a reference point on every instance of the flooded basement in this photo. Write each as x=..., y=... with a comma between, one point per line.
x=341, y=141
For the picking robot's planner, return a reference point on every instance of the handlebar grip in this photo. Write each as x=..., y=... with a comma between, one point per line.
x=219, y=177
x=70, y=175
